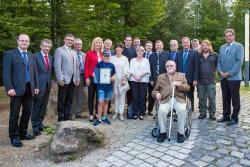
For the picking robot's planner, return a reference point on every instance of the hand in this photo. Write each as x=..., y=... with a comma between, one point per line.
x=123, y=81
x=11, y=92
x=61, y=83
x=175, y=83
x=77, y=83
x=158, y=96
x=195, y=83
x=226, y=75
x=112, y=78
x=36, y=91
x=88, y=82
x=152, y=83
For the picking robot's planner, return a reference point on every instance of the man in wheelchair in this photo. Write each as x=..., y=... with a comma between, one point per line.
x=163, y=94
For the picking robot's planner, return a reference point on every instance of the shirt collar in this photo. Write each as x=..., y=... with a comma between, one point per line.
x=68, y=48
x=21, y=51
x=230, y=44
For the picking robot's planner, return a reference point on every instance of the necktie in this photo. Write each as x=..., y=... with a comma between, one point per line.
x=27, y=71
x=80, y=62
x=158, y=64
x=228, y=48
x=46, y=61
x=185, y=60
x=173, y=55
x=25, y=59
x=147, y=55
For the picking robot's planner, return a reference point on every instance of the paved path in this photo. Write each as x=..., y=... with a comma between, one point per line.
x=210, y=144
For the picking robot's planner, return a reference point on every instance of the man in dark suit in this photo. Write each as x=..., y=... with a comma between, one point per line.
x=157, y=62
x=44, y=63
x=187, y=63
x=21, y=83
x=148, y=52
x=173, y=50
x=130, y=52
x=231, y=57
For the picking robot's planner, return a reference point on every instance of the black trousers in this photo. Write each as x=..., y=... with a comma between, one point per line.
x=65, y=99
x=40, y=103
x=230, y=93
x=190, y=95
x=151, y=100
x=92, y=97
x=18, y=126
x=139, y=91
x=129, y=94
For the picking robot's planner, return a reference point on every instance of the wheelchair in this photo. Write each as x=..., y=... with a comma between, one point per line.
x=156, y=130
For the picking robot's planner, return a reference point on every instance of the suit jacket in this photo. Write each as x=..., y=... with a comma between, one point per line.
x=232, y=61
x=14, y=70
x=66, y=65
x=163, y=86
x=192, y=65
x=153, y=64
x=144, y=54
x=170, y=58
x=44, y=76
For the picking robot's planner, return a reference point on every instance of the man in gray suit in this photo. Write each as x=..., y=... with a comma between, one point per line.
x=67, y=74
x=230, y=60
x=21, y=83
x=44, y=63
x=79, y=91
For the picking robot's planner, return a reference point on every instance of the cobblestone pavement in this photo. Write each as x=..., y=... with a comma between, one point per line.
x=210, y=144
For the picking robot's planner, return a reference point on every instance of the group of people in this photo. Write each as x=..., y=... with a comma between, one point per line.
x=131, y=73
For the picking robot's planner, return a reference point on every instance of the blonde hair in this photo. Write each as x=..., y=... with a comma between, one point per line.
x=206, y=41
x=229, y=30
x=94, y=41
x=140, y=48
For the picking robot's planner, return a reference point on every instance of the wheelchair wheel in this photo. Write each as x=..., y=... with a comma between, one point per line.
x=155, y=132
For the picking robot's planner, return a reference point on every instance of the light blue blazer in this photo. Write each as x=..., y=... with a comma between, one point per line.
x=231, y=61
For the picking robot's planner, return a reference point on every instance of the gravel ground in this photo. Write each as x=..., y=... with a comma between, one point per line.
x=116, y=135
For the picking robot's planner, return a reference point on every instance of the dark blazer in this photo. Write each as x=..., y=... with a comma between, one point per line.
x=153, y=62
x=44, y=76
x=14, y=72
x=192, y=65
x=170, y=58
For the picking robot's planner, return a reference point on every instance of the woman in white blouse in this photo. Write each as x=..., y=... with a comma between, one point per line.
x=121, y=84
x=139, y=76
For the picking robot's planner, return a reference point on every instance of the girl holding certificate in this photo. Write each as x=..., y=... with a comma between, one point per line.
x=139, y=76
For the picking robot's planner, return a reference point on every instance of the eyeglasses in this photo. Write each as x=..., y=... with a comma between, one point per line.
x=69, y=39
x=24, y=40
x=169, y=66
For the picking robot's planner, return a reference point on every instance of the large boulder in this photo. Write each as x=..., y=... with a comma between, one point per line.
x=72, y=138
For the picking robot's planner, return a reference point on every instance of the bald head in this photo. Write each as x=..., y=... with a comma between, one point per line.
x=23, y=41
x=170, y=67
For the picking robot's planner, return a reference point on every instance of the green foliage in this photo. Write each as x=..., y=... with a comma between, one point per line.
x=50, y=130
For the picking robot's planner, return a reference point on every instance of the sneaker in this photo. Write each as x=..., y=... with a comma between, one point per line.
x=115, y=116
x=121, y=117
x=106, y=121
x=97, y=122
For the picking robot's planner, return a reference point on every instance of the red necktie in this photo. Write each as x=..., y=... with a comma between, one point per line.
x=46, y=61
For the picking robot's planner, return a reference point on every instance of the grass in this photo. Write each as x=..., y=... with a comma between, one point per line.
x=50, y=130
x=245, y=88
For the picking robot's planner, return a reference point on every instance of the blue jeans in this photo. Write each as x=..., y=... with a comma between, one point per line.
x=104, y=95
x=207, y=92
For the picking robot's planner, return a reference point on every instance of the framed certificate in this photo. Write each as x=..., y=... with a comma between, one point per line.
x=105, y=75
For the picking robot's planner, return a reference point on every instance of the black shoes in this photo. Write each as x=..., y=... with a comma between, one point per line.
x=27, y=136
x=232, y=122
x=223, y=119
x=16, y=142
x=161, y=137
x=180, y=138
x=37, y=133
x=212, y=117
x=202, y=116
